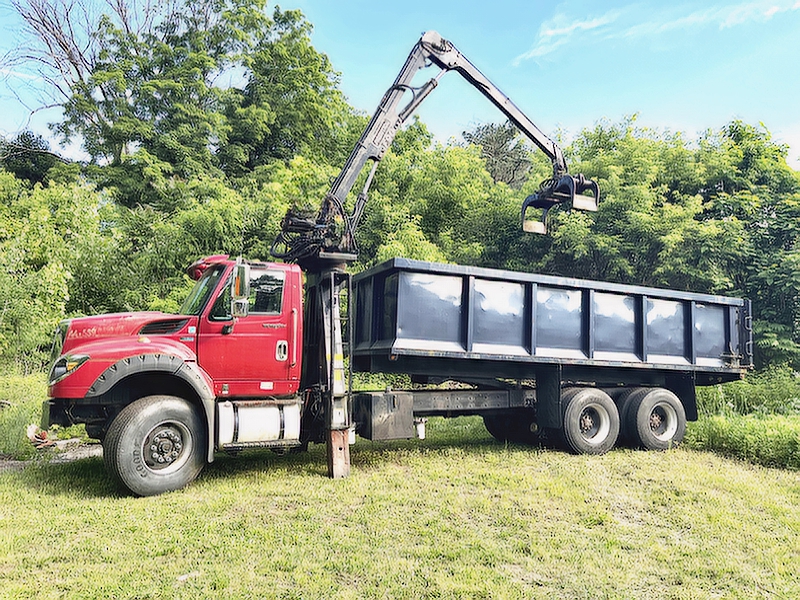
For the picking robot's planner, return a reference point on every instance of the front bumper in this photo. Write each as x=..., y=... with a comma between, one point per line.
x=65, y=412
x=54, y=412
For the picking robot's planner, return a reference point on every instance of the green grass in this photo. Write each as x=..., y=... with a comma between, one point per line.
x=773, y=391
x=770, y=440
x=23, y=396
x=455, y=516
x=757, y=419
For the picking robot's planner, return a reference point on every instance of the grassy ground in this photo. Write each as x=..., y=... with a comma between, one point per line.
x=455, y=516
x=21, y=396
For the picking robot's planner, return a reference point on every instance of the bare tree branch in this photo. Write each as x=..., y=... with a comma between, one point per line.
x=61, y=39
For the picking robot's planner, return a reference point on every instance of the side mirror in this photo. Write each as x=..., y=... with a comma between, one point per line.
x=240, y=291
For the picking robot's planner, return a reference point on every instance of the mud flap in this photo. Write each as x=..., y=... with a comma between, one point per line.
x=549, y=411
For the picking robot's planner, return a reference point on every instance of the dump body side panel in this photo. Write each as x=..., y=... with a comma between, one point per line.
x=453, y=321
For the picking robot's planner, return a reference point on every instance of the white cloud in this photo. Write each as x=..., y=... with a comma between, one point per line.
x=18, y=74
x=642, y=20
x=749, y=12
x=560, y=29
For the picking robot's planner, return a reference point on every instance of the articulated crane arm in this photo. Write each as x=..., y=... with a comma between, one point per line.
x=331, y=233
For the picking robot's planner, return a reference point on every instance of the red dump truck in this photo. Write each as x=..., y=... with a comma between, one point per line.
x=262, y=353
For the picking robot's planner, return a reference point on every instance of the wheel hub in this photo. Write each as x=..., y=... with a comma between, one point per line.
x=589, y=423
x=163, y=447
x=656, y=421
x=663, y=421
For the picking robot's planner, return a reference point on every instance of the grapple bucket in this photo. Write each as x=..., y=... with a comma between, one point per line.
x=566, y=189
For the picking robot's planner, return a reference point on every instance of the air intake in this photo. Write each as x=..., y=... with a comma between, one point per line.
x=163, y=327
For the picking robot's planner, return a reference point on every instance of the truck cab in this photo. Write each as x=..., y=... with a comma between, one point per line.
x=165, y=391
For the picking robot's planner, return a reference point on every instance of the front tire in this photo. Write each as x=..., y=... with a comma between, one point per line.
x=156, y=444
x=591, y=421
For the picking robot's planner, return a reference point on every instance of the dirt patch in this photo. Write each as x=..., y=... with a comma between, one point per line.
x=64, y=451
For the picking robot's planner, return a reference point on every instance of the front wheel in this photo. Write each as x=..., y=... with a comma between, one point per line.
x=156, y=444
x=591, y=421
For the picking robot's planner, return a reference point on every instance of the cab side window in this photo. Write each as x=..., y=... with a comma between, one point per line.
x=266, y=291
x=221, y=311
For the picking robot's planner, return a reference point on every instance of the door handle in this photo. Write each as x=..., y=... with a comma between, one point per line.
x=294, y=336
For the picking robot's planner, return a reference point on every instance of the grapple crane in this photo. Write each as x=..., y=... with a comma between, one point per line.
x=330, y=234
x=323, y=243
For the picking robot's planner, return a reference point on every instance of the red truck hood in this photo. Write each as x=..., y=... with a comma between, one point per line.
x=104, y=340
x=84, y=329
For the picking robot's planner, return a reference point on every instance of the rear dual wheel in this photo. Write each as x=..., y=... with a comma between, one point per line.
x=591, y=421
x=652, y=418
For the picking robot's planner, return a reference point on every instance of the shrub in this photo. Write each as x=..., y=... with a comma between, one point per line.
x=22, y=398
x=769, y=440
x=775, y=390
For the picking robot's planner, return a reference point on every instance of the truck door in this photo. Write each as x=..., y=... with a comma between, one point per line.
x=256, y=355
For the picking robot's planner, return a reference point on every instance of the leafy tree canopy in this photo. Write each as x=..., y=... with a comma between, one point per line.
x=206, y=120
x=28, y=156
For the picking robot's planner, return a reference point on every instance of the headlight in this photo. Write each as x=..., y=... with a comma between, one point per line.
x=66, y=365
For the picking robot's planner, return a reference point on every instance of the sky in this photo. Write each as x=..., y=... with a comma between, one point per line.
x=679, y=66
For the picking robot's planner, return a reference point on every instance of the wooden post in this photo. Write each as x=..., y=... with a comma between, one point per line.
x=338, y=444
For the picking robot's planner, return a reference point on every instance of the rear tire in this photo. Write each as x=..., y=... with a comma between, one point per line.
x=156, y=444
x=591, y=421
x=655, y=419
x=623, y=402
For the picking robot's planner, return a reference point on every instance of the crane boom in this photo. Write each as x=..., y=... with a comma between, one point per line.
x=307, y=238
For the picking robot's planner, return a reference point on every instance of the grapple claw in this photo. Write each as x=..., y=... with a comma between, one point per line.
x=566, y=189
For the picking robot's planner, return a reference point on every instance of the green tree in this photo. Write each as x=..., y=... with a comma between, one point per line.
x=718, y=217
x=164, y=93
x=28, y=157
x=290, y=105
x=748, y=179
x=155, y=91
x=47, y=235
x=505, y=151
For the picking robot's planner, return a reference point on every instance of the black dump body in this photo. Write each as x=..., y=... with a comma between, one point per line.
x=467, y=323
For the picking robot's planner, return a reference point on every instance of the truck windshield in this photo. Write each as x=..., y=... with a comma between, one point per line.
x=202, y=291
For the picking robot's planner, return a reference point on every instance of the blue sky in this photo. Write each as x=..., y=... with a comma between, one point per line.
x=681, y=66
